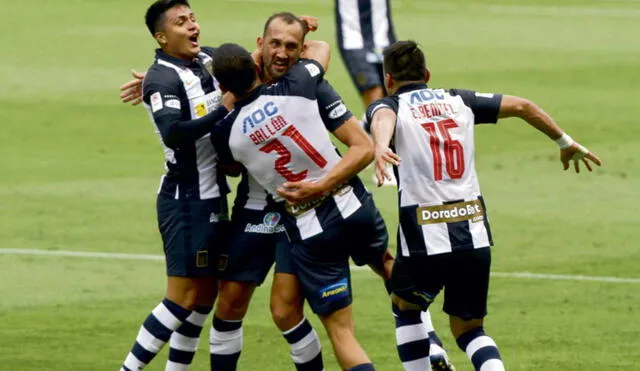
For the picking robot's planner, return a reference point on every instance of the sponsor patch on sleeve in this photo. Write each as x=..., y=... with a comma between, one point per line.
x=172, y=103
x=156, y=102
x=338, y=111
x=313, y=69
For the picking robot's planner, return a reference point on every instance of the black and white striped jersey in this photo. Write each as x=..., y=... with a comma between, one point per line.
x=364, y=24
x=250, y=194
x=280, y=134
x=441, y=207
x=183, y=102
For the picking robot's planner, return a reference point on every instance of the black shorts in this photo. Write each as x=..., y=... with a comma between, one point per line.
x=321, y=262
x=256, y=239
x=193, y=233
x=373, y=241
x=463, y=274
x=365, y=68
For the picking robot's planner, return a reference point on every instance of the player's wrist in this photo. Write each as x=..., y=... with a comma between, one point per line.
x=565, y=141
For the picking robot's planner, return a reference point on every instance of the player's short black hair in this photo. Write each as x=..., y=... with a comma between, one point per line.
x=404, y=61
x=234, y=68
x=288, y=18
x=154, y=18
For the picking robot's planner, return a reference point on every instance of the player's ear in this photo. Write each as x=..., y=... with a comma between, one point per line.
x=160, y=37
x=259, y=42
x=427, y=75
x=388, y=81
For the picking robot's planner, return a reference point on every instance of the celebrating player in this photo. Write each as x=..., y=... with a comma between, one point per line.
x=444, y=230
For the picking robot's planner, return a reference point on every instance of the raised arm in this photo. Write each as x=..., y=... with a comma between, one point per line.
x=318, y=51
x=570, y=150
x=382, y=127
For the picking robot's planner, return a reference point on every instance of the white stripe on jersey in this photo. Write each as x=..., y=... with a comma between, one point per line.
x=308, y=224
x=347, y=203
x=351, y=32
x=199, y=104
x=426, y=120
x=380, y=23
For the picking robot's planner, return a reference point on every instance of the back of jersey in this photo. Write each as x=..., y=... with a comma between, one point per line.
x=285, y=134
x=441, y=207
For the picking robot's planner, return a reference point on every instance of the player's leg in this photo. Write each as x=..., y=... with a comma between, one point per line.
x=242, y=267
x=287, y=313
x=466, y=303
x=184, y=341
x=322, y=266
x=409, y=300
x=379, y=258
x=188, y=237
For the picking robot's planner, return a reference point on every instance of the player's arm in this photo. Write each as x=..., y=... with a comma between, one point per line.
x=162, y=96
x=570, y=150
x=317, y=50
x=347, y=129
x=382, y=116
x=220, y=139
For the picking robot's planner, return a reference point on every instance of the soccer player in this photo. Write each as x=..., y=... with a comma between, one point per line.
x=183, y=101
x=444, y=231
x=277, y=133
x=364, y=28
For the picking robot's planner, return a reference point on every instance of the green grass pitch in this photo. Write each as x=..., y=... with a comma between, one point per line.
x=79, y=172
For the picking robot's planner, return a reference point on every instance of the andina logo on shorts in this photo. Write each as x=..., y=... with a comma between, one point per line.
x=269, y=225
x=450, y=213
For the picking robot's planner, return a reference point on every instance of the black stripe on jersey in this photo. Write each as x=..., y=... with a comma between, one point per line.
x=366, y=24
x=392, y=32
x=486, y=220
x=412, y=231
x=459, y=233
x=327, y=213
x=242, y=192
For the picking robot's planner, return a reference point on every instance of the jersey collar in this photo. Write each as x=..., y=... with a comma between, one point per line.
x=177, y=61
x=255, y=93
x=411, y=87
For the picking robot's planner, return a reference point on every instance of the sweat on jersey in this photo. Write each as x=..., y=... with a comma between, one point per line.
x=441, y=207
x=279, y=134
x=183, y=102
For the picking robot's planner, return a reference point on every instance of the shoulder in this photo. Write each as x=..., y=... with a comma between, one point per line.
x=208, y=50
x=386, y=102
x=161, y=75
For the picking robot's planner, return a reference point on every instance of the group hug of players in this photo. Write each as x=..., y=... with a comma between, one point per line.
x=266, y=116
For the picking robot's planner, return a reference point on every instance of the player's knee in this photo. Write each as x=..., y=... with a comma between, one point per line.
x=459, y=325
x=339, y=324
x=285, y=313
x=233, y=300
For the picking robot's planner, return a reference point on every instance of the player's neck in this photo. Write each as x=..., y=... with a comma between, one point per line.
x=398, y=85
x=256, y=84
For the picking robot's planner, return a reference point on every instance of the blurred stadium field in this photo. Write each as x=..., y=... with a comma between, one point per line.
x=80, y=172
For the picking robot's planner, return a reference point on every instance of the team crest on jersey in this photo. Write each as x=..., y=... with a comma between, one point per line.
x=156, y=102
x=313, y=69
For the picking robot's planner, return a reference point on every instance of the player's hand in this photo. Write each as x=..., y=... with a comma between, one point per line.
x=383, y=156
x=132, y=90
x=298, y=192
x=310, y=21
x=577, y=153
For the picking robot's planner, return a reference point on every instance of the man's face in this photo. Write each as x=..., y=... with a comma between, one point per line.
x=281, y=48
x=180, y=33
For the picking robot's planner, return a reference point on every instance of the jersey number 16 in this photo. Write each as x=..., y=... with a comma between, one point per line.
x=453, y=150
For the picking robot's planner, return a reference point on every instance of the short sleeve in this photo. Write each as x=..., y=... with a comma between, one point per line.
x=333, y=111
x=485, y=106
x=161, y=91
x=303, y=78
x=386, y=102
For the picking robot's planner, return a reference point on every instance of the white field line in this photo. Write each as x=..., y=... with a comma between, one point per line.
x=125, y=256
